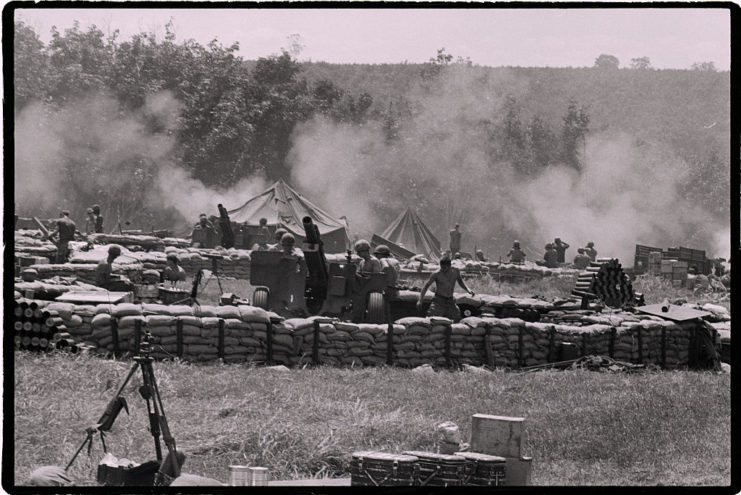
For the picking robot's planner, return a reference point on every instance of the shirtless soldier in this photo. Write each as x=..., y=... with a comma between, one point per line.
x=443, y=303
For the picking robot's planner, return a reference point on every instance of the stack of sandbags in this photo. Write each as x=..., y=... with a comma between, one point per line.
x=30, y=243
x=146, y=242
x=421, y=341
x=50, y=291
x=467, y=341
x=85, y=272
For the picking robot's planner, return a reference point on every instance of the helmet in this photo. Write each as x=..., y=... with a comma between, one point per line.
x=287, y=240
x=173, y=257
x=114, y=249
x=580, y=250
x=362, y=245
x=445, y=260
x=382, y=249
x=549, y=246
x=478, y=251
x=516, y=244
x=89, y=211
x=280, y=233
x=590, y=244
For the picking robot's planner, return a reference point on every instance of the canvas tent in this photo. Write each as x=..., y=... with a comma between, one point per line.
x=283, y=206
x=410, y=232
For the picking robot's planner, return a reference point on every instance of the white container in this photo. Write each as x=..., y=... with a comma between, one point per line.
x=239, y=475
x=258, y=476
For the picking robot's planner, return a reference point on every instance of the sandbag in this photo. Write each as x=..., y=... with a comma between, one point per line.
x=159, y=320
x=225, y=312
x=101, y=320
x=130, y=321
x=126, y=309
x=253, y=314
x=204, y=311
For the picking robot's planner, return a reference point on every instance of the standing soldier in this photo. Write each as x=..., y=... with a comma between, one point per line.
x=98, y=219
x=560, y=248
x=443, y=304
x=590, y=251
x=455, y=239
x=263, y=235
x=279, y=233
x=390, y=266
x=66, y=232
x=90, y=221
x=368, y=263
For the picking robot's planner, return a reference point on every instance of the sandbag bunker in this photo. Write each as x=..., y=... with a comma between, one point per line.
x=252, y=335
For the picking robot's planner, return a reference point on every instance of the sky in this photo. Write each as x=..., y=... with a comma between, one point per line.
x=558, y=37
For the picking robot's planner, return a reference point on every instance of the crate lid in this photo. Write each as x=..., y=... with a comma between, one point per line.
x=434, y=455
x=477, y=456
x=384, y=456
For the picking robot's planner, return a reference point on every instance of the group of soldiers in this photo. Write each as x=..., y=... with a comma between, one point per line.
x=555, y=254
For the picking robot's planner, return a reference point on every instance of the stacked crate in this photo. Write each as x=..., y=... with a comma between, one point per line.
x=643, y=258
x=675, y=271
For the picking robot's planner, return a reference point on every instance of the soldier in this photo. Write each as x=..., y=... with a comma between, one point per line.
x=516, y=255
x=590, y=251
x=480, y=256
x=90, y=221
x=279, y=233
x=98, y=219
x=204, y=232
x=550, y=256
x=455, y=239
x=173, y=272
x=104, y=276
x=560, y=248
x=368, y=263
x=390, y=266
x=443, y=304
x=288, y=243
x=263, y=234
x=66, y=232
x=581, y=260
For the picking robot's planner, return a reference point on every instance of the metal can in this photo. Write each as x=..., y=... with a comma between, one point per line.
x=258, y=476
x=239, y=475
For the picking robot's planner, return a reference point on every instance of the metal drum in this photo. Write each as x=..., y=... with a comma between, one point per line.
x=369, y=468
x=439, y=469
x=258, y=476
x=484, y=469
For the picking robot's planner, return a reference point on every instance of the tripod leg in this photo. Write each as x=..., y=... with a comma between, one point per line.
x=147, y=391
x=88, y=439
x=160, y=414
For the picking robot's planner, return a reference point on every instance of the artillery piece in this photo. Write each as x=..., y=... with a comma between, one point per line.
x=317, y=286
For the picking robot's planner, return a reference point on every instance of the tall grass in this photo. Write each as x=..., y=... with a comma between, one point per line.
x=582, y=428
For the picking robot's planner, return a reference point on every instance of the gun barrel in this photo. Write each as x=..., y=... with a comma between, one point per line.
x=311, y=230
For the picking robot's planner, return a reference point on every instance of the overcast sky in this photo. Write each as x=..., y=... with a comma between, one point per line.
x=670, y=38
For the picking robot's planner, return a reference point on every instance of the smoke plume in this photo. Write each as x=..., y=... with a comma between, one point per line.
x=93, y=151
x=625, y=194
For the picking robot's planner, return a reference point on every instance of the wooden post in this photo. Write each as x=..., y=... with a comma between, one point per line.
x=270, y=342
x=551, y=344
x=663, y=347
x=315, y=344
x=487, y=347
x=640, y=345
x=611, y=348
x=114, y=334
x=448, y=334
x=137, y=335
x=584, y=337
x=220, y=345
x=390, y=344
x=179, y=337
x=520, y=354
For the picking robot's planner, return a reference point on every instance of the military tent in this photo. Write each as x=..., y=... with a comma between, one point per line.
x=410, y=232
x=282, y=206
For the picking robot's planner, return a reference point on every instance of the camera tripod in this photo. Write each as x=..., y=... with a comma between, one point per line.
x=157, y=420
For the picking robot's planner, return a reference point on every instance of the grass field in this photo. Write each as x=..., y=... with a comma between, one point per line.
x=582, y=428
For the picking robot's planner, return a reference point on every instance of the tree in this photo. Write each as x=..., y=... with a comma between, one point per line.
x=30, y=67
x=608, y=62
x=704, y=66
x=640, y=63
x=541, y=143
x=433, y=67
x=574, y=131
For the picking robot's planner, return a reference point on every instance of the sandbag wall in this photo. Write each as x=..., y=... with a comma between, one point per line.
x=246, y=333
x=85, y=272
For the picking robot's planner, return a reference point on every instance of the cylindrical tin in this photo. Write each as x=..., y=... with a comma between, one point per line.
x=238, y=475
x=258, y=476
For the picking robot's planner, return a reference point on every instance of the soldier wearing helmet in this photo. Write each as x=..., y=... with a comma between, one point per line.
x=480, y=256
x=390, y=267
x=560, y=248
x=581, y=260
x=278, y=236
x=368, y=263
x=550, y=256
x=104, y=276
x=590, y=251
x=516, y=255
x=288, y=247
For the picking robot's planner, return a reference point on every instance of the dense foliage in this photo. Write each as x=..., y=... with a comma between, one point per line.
x=223, y=119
